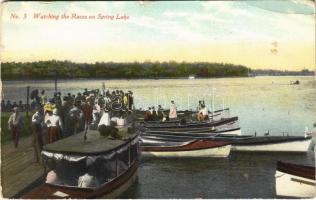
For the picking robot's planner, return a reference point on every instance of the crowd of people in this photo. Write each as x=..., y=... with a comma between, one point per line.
x=8, y=106
x=59, y=117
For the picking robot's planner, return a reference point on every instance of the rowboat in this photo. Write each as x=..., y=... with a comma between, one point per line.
x=238, y=142
x=293, y=180
x=188, y=126
x=193, y=148
x=183, y=112
x=94, y=168
x=271, y=143
x=183, y=136
x=216, y=115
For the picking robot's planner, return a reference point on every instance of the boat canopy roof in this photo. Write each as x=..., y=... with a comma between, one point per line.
x=94, y=145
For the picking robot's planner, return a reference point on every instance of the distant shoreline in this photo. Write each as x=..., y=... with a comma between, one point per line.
x=159, y=78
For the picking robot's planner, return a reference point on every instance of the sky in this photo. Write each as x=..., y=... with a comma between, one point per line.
x=258, y=34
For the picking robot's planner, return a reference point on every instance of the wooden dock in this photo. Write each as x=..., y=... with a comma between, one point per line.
x=18, y=168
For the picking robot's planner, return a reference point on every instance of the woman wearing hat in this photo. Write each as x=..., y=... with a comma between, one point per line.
x=54, y=125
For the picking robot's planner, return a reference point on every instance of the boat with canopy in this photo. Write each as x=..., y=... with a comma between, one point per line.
x=97, y=167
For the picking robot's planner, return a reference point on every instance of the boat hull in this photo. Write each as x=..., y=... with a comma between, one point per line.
x=288, y=185
x=200, y=148
x=201, y=133
x=212, y=152
x=287, y=146
x=293, y=180
x=186, y=127
x=110, y=190
x=162, y=136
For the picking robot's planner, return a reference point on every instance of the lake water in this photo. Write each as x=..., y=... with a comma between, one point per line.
x=261, y=103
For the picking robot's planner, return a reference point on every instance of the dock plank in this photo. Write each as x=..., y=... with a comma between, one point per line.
x=18, y=167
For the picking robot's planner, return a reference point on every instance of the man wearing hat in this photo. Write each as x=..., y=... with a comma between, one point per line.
x=37, y=123
x=76, y=116
x=15, y=124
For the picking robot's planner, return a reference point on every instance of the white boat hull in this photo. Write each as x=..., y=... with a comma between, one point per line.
x=292, y=146
x=288, y=185
x=222, y=151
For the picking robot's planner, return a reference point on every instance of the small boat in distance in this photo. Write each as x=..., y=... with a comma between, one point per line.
x=191, y=77
x=293, y=180
x=297, y=82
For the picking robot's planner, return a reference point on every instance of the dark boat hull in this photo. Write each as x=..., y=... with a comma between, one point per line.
x=292, y=180
x=297, y=170
x=191, y=126
x=185, y=136
x=109, y=190
x=297, y=144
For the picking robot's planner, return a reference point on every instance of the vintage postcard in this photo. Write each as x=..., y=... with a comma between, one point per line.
x=158, y=99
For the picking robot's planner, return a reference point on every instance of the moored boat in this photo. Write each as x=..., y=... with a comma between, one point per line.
x=195, y=132
x=95, y=168
x=187, y=126
x=272, y=143
x=293, y=180
x=238, y=142
x=193, y=148
x=216, y=115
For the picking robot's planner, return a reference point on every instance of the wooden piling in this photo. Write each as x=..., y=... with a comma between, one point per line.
x=56, y=77
x=27, y=100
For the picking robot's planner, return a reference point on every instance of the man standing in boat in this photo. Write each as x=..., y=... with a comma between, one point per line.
x=160, y=113
x=173, y=111
x=130, y=100
x=203, y=113
x=15, y=124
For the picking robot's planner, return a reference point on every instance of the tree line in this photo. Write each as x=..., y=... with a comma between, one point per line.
x=67, y=69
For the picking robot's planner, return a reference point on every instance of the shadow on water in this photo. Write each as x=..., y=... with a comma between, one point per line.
x=241, y=175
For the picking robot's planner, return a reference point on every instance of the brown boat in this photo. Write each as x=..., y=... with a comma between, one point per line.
x=295, y=180
x=95, y=168
x=297, y=170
